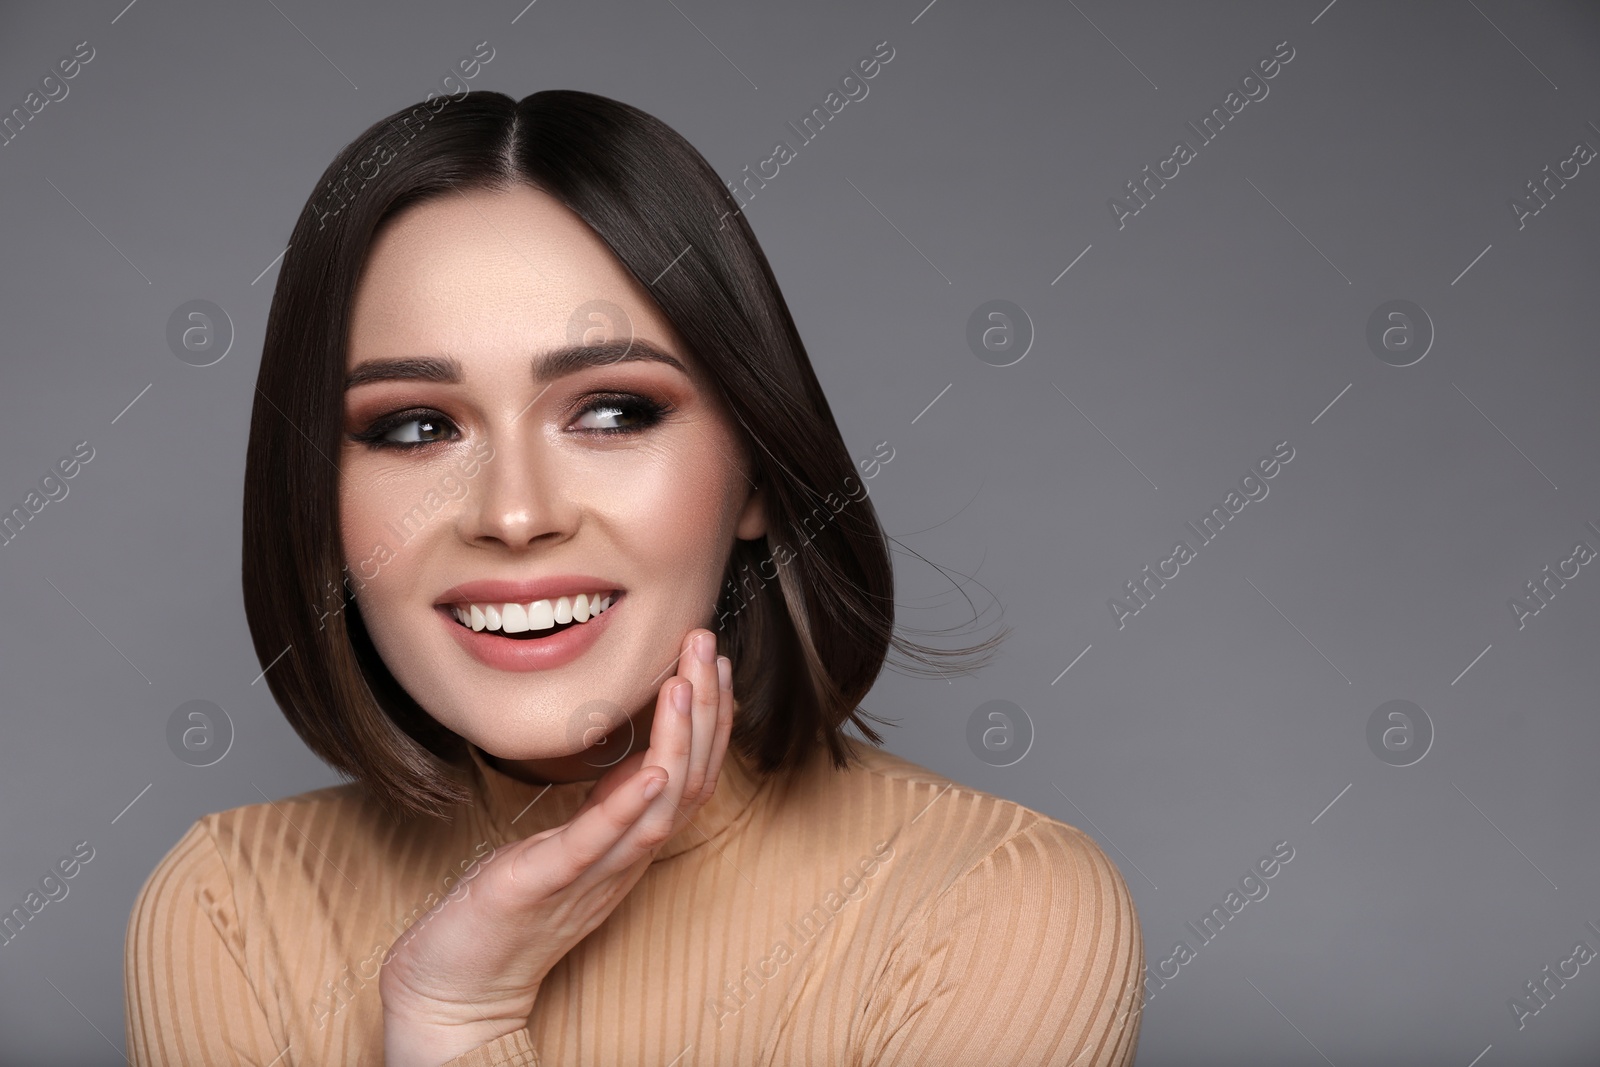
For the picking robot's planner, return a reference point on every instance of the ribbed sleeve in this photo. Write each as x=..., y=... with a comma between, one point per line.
x=1032, y=957
x=513, y=1050
x=186, y=995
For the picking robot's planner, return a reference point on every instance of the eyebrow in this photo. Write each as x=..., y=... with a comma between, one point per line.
x=555, y=363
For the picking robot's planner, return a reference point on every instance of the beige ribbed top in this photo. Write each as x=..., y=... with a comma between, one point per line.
x=876, y=916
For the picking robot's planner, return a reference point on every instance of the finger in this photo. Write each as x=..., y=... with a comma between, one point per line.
x=543, y=864
x=620, y=820
x=670, y=739
x=677, y=743
x=719, y=744
x=705, y=703
x=616, y=776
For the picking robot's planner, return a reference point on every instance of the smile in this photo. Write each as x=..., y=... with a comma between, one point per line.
x=536, y=618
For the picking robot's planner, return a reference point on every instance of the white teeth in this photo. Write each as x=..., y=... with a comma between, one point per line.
x=537, y=615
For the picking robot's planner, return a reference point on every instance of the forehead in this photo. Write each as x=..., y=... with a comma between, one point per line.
x=506, y=271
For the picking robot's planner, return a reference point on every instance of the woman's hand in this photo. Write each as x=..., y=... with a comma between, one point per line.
x=468, y=972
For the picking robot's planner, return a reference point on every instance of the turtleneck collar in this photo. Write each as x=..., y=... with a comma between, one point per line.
x=518, y=809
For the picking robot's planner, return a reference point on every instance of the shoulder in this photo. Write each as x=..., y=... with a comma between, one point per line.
x=264, y=844
x=190, y=874
x=1007, y=914
x=956, y=833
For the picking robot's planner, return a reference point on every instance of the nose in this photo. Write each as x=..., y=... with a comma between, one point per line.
x=518, y=498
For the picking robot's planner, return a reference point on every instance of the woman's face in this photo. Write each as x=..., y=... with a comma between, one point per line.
x=479, y=471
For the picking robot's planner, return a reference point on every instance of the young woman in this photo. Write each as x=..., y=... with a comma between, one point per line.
x=534, y=436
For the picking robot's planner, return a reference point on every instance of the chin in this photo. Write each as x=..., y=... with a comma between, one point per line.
x=534, y=728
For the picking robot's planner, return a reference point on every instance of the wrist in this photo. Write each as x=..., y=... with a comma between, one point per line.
x=411, y=1044
x=417, y=1035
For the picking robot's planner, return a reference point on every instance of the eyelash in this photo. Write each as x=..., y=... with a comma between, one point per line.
x=648, y=411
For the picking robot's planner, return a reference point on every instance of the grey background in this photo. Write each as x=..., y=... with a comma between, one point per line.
x=1227, y=316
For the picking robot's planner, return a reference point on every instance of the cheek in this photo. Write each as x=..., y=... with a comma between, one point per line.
x=354, y=523
x=358, y=521
x=675, y=514
x=369, y=508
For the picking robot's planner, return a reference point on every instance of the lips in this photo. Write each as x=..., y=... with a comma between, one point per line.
x=528, y=650
x=526, y=590
x=535, y=618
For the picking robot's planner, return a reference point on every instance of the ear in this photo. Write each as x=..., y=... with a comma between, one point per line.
x=753, y=518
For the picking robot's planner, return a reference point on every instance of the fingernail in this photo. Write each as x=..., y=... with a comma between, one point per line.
x=705, y=647
x=680, y=696
x=653, y=788
x=725, y=672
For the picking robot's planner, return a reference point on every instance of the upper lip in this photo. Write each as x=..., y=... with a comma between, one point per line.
x=526, y=590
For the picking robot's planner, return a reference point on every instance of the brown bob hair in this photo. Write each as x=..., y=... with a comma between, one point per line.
x=807, y=642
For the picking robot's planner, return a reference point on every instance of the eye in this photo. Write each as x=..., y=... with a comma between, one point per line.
x=406, y=430
x=604, y=416
x=620, y=413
